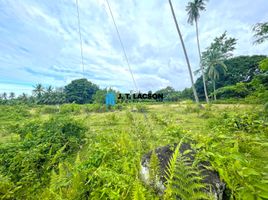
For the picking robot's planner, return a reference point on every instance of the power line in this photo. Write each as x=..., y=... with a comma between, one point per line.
x=123, y=48
x=81, y=44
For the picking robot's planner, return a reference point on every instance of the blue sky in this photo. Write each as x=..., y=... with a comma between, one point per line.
x=39, y=41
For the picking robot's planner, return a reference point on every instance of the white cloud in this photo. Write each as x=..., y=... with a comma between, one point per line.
x=39, y=41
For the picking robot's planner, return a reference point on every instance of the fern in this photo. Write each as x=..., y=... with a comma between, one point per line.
x=154, y=169
x=138, y=191
x=67, y=183
x=183, y=179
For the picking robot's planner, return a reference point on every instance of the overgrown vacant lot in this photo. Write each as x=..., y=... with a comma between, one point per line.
x=79, y=152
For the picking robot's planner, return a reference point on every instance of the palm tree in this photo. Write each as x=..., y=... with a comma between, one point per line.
x=4, y=95
x=24, y=97
x=261, y=32
x=185, y=53
x=38, y=90
x=213, y=59
x=193, y=9
x=12, y=95
x=49, y=89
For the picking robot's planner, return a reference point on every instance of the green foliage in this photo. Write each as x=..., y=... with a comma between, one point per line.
x=248, y=123
x=80, y=91
x=264, y=64
x=99, y=96
x=52, y=158
x=183, y=179
x=215, y=55
x=112, y=119
x=138, y=191
x=192, y=108
x=49, y=109
x=14, y=112
x=7, y=188
x=141, y=108
x=68, y=182
x=239, y=69
x=94, y=108
x=240, y=90
x=70, y=108
x=154, y=169
x=261, y=32
x=27, y=164
x=193, y=10
x=240, y=141
x=169, y=94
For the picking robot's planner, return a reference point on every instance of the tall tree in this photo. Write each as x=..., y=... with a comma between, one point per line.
x=38, y=90
x=261, y=32
x=193, y=9
x=12, y=95
x=80, y=91
x=185, y=52
x=4, y=95
x=215, y=63
x=23, y=97
x=49, y=89
x=215, y=55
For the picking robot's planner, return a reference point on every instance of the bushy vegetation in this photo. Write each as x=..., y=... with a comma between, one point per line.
x=65, y=143
x=26, y=164
x=65, y=156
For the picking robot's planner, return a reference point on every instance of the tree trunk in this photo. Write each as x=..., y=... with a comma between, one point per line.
x=214, y=89
x=185, y=53
x=201, y=66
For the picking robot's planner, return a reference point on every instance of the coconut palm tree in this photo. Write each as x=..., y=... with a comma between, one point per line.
x=38, y=90
x=49, y=89
x=12, y=95
x=261, y=32
x=213, y=59
x=23, y=97
x=193, y=9
x=185, y=52
x=4, y=95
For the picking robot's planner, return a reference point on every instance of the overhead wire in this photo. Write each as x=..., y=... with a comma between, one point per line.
x=122, y=46
x=80, y=36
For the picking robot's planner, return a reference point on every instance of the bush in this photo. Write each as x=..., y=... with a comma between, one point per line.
x=49, y=109
x=192, y=109
x=43, y=145
x=141, y=108
x=240, y=90
x=14, y=112
x=94, y=108
x=119, y=107
x=70, y=108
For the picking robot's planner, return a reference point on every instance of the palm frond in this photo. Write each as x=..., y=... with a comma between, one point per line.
x=138, y=191
x=183, y=179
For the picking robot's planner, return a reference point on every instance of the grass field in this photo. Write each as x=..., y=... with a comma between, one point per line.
x=105, y=162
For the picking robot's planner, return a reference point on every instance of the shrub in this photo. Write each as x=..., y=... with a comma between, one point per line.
x=70, y=108
x=49, y=109
x=94, y=108
x=141, y=108
x=14, y=112
x=119, y=107
x=43, y=145
x=192, y=109
x=240, y=90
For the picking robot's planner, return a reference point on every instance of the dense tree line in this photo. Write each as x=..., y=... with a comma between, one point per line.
x=238, y=69
x=78, y=91
x=244, y=75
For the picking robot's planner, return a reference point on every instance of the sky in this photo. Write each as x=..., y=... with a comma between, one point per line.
x=39, y=41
